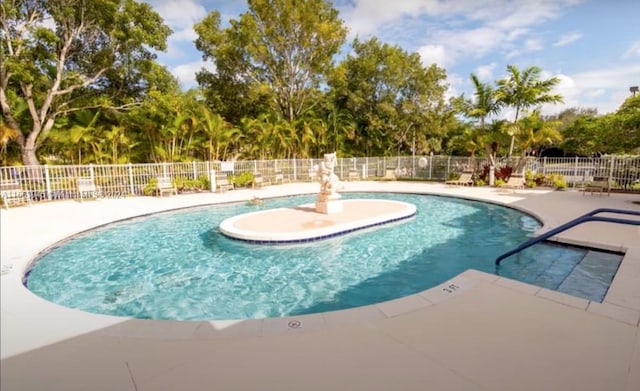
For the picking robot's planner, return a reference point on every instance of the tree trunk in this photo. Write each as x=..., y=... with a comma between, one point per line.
x=513, y=138
x=29, y=157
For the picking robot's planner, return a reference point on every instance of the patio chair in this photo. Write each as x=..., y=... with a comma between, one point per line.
x=466, y=179
x=258, y=180
x=223, y=184
x=599, y=185
x=87, y=188
x=514, y=182
x=11, y=193
x=166, y=186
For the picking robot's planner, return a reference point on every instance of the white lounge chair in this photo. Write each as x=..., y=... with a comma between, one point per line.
x=514, y=182
x=466, y=179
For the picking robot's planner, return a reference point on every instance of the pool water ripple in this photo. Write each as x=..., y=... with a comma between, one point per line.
x=176, y=265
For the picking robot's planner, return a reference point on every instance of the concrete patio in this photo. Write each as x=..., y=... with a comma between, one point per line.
x=477, y=331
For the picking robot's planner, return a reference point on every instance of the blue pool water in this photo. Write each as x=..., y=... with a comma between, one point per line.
x=176, y=265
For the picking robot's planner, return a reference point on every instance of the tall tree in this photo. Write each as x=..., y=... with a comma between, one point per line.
x=278, y=49
x=483, y=105
x=95, y=47
x=393, y=99
x=522, y=90
x=534, y=134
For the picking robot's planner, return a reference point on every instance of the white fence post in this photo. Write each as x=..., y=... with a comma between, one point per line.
x=295, y=170
x=47, y=181
x=613, y=159
x=195, y=170
x=91, y=172
x=131, y=187
x=430, y=164
x=212, y=180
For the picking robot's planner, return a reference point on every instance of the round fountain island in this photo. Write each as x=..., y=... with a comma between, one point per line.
x=304, y=223
x=329, y=217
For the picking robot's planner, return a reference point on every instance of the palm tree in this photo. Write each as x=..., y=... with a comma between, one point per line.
x=484, y=105
x=522, y=90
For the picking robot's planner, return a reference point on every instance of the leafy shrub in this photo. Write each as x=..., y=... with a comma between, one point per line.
x=188, y=184
x=534, y=179
x=499, y=182
x=502, y=173
x=150, y=188
x=557, y=181
x=242, y=180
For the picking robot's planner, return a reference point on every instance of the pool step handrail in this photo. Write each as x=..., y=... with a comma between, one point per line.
x=591, y=216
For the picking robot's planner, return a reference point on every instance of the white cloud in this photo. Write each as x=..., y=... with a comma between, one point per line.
x=179, y=14
x=433, y=54
x=604, y=89
x=485, y=72
x=365, y=17
x=567, y=39
x=633, y=51
x=496, y=24
x=186, y=73
x=533, y=45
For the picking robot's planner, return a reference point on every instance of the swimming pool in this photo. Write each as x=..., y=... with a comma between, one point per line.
x=176, y=265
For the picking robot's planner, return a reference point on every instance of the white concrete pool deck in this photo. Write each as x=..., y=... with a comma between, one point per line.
x=475, y=332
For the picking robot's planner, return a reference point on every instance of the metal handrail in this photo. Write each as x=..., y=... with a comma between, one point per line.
x=582, y=219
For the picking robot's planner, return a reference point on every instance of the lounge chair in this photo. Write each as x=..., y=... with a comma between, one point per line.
x=353, y=175
x=11, y=192
x=466, y=179
x=258, y=180
x=600, y=185
x=223, y=184
x=514, y=182
x=87, y=188
x=165, y=185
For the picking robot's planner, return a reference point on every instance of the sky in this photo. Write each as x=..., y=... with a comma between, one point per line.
x=592, y=46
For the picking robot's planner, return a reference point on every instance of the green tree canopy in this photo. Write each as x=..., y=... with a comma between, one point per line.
x=391, y=97
x=524, y=89
x=97, y=50
x=278, y=51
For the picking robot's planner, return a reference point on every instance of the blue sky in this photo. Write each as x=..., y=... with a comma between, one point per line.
x=593, y=46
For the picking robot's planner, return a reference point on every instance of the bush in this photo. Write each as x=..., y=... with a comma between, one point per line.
x=557, y=181
x=560, y=183
x=150, y=188
x=242, y=180
x=502, y=173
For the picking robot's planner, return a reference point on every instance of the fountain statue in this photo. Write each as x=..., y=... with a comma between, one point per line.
x=328, y=200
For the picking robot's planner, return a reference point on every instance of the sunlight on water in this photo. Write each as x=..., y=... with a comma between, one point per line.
x=176, y=265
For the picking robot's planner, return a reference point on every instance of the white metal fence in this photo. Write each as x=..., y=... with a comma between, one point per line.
x=53, y=182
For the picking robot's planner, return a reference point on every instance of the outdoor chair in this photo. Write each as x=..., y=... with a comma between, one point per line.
x=165, y=186
x=280, y=177
x=466, y=179
x=599, y=186
x=353, y=175
x=514, y=182
x=11, y=192
x=87, y=188
x=258, y=180
x=223, y=183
